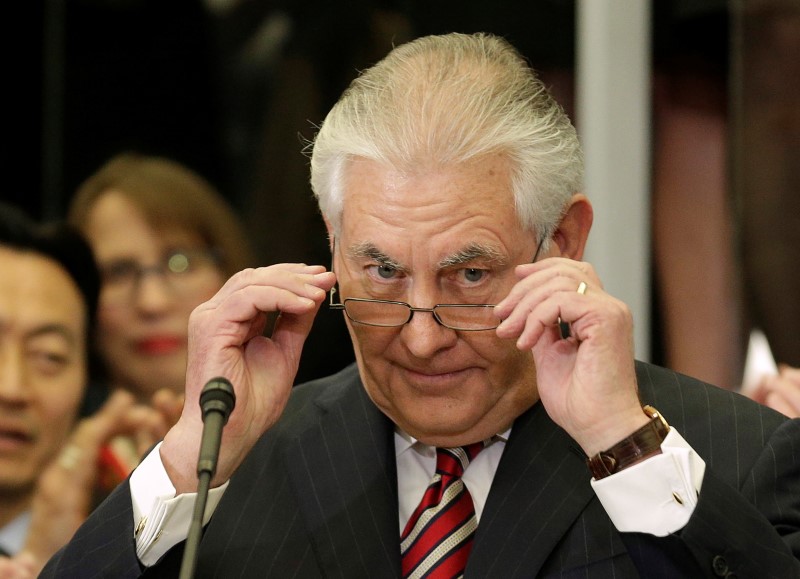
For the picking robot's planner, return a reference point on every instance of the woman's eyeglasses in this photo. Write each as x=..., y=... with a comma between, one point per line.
x=180, y=270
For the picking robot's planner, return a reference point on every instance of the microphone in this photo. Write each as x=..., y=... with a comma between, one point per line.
x=217, y=401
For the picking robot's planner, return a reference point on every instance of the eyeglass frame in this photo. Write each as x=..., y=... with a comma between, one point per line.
x=340, y=306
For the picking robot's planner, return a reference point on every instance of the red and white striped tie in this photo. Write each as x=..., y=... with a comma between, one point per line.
x=438, y=537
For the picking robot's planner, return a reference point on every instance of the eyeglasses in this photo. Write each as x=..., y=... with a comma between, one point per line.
x=182, y=270
x=393, y=314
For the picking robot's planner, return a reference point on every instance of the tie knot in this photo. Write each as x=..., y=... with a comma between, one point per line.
x=454, y=461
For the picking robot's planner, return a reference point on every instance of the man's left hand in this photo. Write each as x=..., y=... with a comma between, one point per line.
x=586, y=381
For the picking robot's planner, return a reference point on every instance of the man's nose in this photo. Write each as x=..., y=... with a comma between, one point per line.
x=423, y=335
x=13, y=387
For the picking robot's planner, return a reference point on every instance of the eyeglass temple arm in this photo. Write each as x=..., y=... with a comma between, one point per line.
x=331, y=303
x=539, y=248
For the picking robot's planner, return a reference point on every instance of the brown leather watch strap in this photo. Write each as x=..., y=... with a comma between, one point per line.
x=642, y=444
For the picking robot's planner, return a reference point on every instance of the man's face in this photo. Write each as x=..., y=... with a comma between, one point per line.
x=42, y=364
x=444, y=236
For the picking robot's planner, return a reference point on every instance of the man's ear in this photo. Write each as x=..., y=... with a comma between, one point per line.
x=573, y=231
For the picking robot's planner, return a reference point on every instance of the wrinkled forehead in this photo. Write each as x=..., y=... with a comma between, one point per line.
x=450, y=214
x=424, y=185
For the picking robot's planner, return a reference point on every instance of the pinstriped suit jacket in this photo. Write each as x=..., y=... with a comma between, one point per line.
x=317, y=498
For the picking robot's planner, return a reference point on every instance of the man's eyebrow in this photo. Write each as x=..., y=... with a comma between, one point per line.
x=472, y=252
x=368, y=250
x=58, y=329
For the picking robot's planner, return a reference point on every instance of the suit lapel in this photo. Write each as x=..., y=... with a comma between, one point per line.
x=344, y=471
x=540, y=489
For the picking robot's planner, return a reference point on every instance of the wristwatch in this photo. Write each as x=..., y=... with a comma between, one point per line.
x=642, y=444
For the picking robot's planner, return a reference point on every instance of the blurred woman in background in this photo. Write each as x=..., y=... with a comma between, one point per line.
x=165, y=241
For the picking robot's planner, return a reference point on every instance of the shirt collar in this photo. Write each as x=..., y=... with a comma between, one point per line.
x=404, y=441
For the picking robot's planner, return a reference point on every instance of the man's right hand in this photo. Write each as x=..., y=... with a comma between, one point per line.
x=225, y=339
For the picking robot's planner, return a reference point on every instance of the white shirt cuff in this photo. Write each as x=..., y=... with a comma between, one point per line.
x=161, y=519
x=658, y=495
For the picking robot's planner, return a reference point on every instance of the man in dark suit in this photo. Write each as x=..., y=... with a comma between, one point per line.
x=490, y=363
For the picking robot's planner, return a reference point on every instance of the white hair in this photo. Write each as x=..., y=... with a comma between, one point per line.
x=440, y=101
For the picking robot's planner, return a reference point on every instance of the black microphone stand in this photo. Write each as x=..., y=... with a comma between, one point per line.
x=216, y=401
